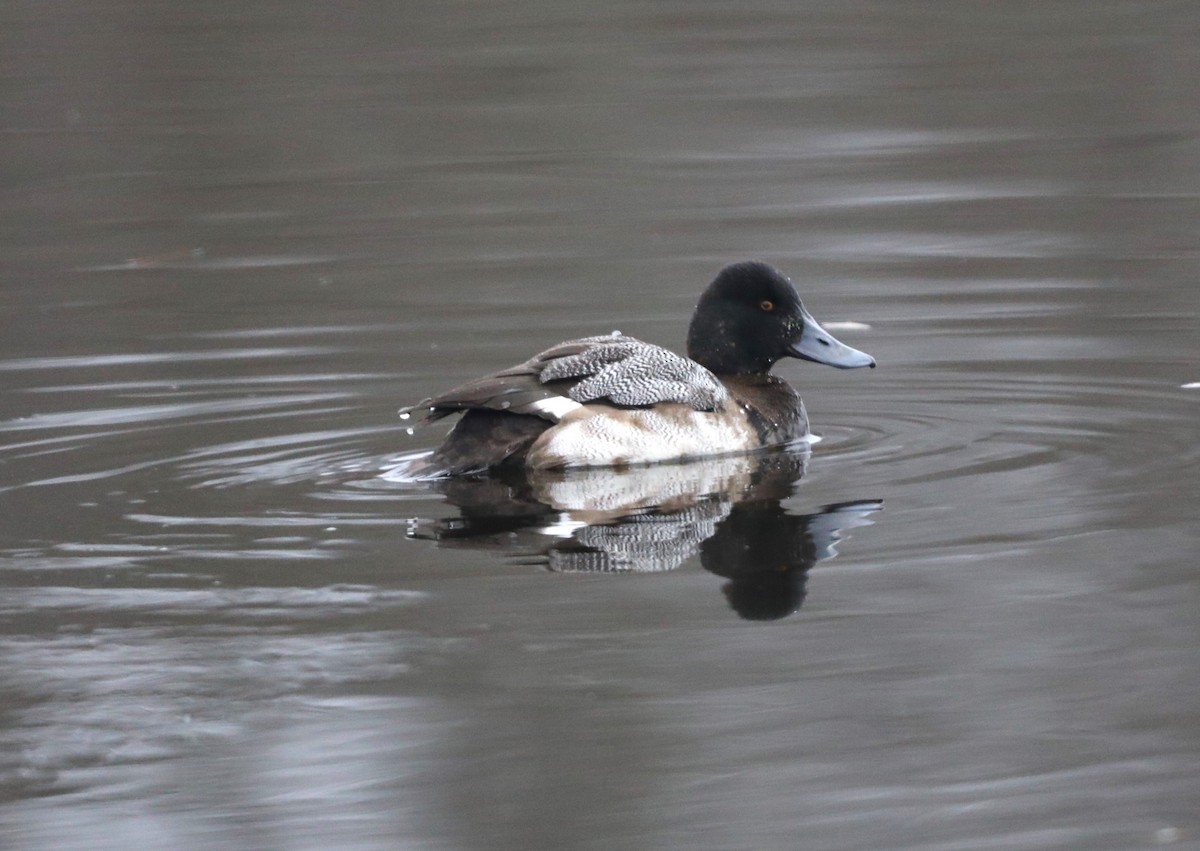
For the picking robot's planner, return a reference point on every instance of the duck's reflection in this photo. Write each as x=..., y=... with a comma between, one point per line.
x=652, y=519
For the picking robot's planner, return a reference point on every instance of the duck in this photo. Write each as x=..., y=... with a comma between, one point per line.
x=615, y=401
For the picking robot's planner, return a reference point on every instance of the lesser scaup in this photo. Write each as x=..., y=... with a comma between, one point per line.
x=611, y=401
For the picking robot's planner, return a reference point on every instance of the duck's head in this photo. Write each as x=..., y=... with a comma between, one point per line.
x=750, y=317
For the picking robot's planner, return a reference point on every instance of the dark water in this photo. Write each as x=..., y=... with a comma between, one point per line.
x=236, y=237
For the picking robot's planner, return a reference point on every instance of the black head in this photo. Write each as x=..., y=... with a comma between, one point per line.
x=750, y=317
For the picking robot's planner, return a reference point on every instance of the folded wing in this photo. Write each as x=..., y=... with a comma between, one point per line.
x=613, y=369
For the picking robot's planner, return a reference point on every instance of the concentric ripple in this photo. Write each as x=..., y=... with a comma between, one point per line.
x=281, y=459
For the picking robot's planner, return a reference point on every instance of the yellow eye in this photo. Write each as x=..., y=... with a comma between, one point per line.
x=767, y=305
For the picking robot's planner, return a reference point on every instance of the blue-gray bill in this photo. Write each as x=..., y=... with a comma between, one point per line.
x=819, y=346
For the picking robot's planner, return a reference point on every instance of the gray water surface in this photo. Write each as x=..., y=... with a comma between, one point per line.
x=235, y=238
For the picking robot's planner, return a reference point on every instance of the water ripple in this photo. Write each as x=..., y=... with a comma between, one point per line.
x=302, y=454
x=144, y=358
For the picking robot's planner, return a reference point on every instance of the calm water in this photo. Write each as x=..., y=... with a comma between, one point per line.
x=235, y=237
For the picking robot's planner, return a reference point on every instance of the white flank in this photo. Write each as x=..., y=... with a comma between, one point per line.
x=640, y=437
x=556, y=406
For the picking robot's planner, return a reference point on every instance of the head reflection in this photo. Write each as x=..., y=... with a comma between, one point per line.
x=726, y=510
x=766, y=553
